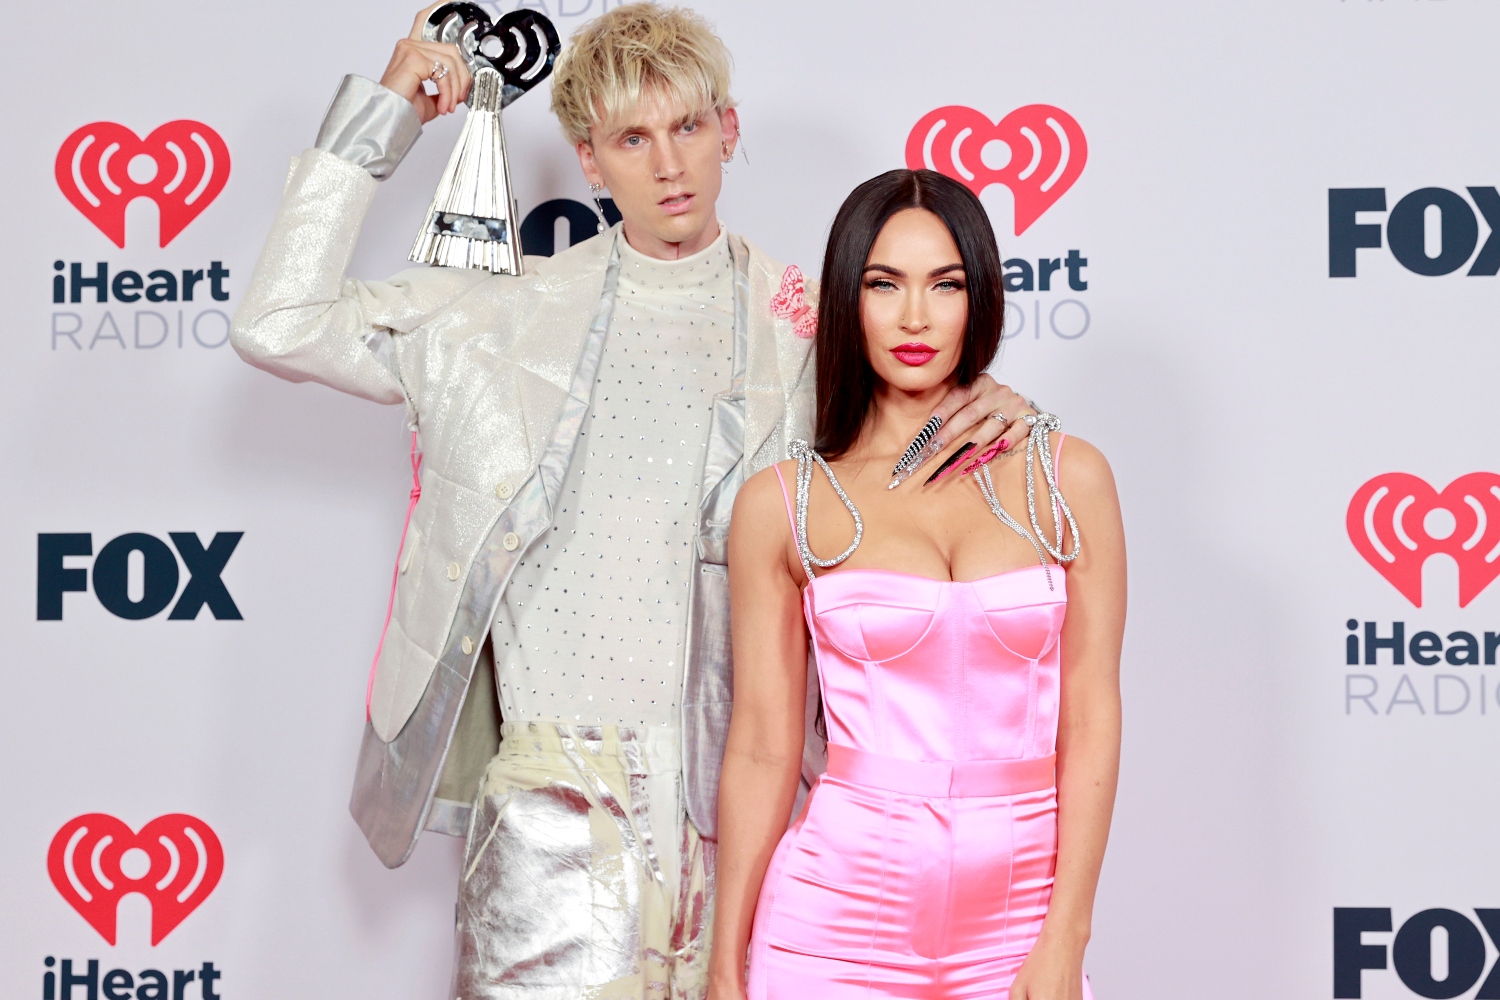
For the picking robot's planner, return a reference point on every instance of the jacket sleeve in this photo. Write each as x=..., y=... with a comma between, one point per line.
x=300, y=319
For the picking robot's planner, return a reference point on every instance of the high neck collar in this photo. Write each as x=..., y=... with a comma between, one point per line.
x=715, y=248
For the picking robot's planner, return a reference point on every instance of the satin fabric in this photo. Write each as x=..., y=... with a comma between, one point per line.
x=882, y=893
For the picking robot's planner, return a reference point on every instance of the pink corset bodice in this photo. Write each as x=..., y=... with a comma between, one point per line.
x=938, y=670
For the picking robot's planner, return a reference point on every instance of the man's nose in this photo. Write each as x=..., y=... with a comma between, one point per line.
x=669, y=164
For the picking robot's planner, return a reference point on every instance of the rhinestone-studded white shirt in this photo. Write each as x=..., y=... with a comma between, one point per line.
x=595, y=617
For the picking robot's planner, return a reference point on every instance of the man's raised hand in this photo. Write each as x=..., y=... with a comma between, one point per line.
x=414, y=62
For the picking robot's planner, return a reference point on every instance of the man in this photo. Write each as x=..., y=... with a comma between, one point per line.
x=584, y=429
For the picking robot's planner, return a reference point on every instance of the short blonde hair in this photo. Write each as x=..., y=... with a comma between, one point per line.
x=634, y=51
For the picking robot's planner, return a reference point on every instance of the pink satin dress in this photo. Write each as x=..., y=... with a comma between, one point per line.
x=922, y=864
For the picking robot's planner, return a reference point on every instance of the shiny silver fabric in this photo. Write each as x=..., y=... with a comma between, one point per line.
x=562, y=894
x=370, y=126
x=708, y=688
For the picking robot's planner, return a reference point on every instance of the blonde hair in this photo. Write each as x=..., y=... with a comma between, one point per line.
x=635, y=51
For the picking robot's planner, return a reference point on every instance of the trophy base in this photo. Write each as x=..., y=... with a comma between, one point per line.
x=452, y=240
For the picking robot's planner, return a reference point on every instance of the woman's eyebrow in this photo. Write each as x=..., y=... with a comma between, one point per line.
x=886, y=269
x=944, y=269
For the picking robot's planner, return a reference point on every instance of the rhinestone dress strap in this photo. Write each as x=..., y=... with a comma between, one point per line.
x=1047, y=423
x=1042, y=426
x=805, y=456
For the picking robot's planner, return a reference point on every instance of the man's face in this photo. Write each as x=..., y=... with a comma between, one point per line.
x=664, y=170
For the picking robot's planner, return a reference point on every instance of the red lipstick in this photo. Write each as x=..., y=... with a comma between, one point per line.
x=914, y=353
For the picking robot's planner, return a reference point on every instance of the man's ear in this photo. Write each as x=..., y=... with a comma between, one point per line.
x=729, y=127
x=590, y=167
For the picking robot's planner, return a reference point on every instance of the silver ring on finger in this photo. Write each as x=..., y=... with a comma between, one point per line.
x=1004, y=420
x=438, y=70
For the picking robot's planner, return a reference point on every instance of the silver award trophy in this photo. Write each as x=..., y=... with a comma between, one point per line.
x=472, y=220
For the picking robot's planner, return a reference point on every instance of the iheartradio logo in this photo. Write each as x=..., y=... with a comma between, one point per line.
x=1037, y=151
x=103, y=167
x=174, y=861
x=1397, y=520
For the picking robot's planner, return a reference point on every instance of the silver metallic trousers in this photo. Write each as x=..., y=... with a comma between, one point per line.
x=582, y=877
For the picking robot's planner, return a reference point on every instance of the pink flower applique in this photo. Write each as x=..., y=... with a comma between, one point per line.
x=791, y=303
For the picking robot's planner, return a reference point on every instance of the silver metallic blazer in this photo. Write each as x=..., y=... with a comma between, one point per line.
x=496, y=373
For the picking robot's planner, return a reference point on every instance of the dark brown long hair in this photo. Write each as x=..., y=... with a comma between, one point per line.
x=846, y=382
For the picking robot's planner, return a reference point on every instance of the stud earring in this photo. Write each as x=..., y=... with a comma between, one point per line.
x=594, y=190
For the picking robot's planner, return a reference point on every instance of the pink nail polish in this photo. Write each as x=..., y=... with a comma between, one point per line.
x=1004, y=444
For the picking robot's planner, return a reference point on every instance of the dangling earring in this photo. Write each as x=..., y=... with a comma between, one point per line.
x=594, y=190
x=724, y=156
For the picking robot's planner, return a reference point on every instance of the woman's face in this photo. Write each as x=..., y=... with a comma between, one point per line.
x=914, y=306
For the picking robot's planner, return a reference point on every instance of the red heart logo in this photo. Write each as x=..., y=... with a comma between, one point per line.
x=103, y=167
x=1388, y=523
x=183, y=863
x=1037, y=151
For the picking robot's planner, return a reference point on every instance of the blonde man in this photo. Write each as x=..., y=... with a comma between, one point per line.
x=585, y=429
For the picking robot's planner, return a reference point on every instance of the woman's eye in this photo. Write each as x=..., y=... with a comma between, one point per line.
x=950, y=285
x=881, y=284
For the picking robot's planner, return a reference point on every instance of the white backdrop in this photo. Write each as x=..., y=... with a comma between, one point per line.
x=1242, y=394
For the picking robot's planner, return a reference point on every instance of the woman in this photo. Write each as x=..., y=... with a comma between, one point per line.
x=946, y=852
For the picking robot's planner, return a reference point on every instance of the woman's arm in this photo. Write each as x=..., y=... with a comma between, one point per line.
x=763, y=757
x=1088, y=734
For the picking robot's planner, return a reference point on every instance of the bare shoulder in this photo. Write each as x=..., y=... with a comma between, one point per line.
x=1086, y=480
x=760, y=505
x=1084, y=466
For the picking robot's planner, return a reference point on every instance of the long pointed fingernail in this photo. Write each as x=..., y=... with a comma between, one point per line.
x=902, y=474
x=912, y=457
x=948, y=465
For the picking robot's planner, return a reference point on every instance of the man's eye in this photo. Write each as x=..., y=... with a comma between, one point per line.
x=633, y=140
x=690, y=127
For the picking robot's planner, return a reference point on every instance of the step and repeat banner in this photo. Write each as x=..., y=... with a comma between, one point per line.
x=1253, y=252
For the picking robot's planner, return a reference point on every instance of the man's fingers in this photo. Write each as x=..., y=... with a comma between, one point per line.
x=442, y=65
x=421, y=21
x=462, y=78
x=453, y=85
x=447, y=82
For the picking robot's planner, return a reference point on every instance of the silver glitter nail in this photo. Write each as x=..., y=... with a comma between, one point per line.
x=910, y=456
x=933, y=447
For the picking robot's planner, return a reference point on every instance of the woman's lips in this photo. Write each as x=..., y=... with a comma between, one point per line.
x=914, y=354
